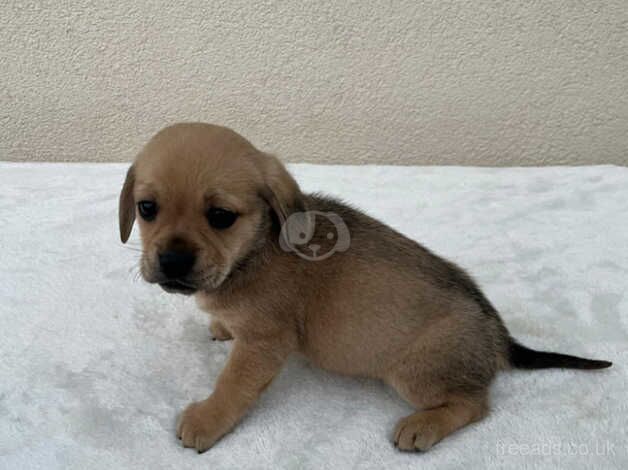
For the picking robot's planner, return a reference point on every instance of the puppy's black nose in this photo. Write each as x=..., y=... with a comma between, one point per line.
x=176, y=264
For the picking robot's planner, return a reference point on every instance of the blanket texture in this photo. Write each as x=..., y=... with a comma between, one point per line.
x=96, y=364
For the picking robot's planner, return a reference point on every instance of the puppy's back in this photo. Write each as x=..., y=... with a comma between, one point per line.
x=379, y=296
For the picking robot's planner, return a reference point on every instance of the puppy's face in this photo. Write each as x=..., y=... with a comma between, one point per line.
x=204, y=200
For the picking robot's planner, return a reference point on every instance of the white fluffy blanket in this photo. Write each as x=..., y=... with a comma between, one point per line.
x=95, y=364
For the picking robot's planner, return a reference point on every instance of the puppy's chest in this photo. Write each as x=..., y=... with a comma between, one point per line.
x=229, y=314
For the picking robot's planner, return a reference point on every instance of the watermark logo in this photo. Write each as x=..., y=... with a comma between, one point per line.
x=554, y=446
x=314, y=235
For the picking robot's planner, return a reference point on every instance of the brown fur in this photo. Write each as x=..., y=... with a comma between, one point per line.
x=386, y=308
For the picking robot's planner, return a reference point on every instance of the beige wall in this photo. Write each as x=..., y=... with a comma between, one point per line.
x=485, y=82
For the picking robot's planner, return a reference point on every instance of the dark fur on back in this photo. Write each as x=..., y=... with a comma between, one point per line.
x=442, y=274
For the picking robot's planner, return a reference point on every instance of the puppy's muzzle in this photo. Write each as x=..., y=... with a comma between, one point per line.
x=175, y=266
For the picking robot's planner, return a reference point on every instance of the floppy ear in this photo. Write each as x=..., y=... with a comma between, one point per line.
x=126, y=206
x=280, y=191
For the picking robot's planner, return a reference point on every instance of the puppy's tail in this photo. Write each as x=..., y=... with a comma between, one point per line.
x=526, y=358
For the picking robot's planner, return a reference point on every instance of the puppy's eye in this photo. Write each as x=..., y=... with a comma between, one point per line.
x=221, y=218
x=148, y=210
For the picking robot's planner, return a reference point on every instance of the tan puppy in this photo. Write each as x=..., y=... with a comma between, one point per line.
x=225, y=222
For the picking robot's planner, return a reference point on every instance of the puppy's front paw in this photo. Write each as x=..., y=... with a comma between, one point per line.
x=219, y=331
x=200, y=426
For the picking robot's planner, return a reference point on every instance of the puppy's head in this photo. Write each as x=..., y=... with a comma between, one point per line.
x=205, y=201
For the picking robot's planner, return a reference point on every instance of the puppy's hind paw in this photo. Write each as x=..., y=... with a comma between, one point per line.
x=416, y=433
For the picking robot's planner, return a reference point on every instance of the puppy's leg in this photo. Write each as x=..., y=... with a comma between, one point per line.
x=219, y=331
x=423, y=429
x=445, y=374
x=250, y=368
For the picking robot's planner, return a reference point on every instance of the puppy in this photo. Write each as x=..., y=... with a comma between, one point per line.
x=224, y=222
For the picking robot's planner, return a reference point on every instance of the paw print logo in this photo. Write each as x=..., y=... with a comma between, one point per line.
x=314, y=235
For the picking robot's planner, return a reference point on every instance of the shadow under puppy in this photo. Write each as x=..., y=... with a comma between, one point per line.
x=211, y=208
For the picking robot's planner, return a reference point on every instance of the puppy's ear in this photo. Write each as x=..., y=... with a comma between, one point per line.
x=126, y=206
x=280, y=191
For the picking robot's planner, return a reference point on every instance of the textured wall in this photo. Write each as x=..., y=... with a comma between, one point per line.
x=447, y=82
